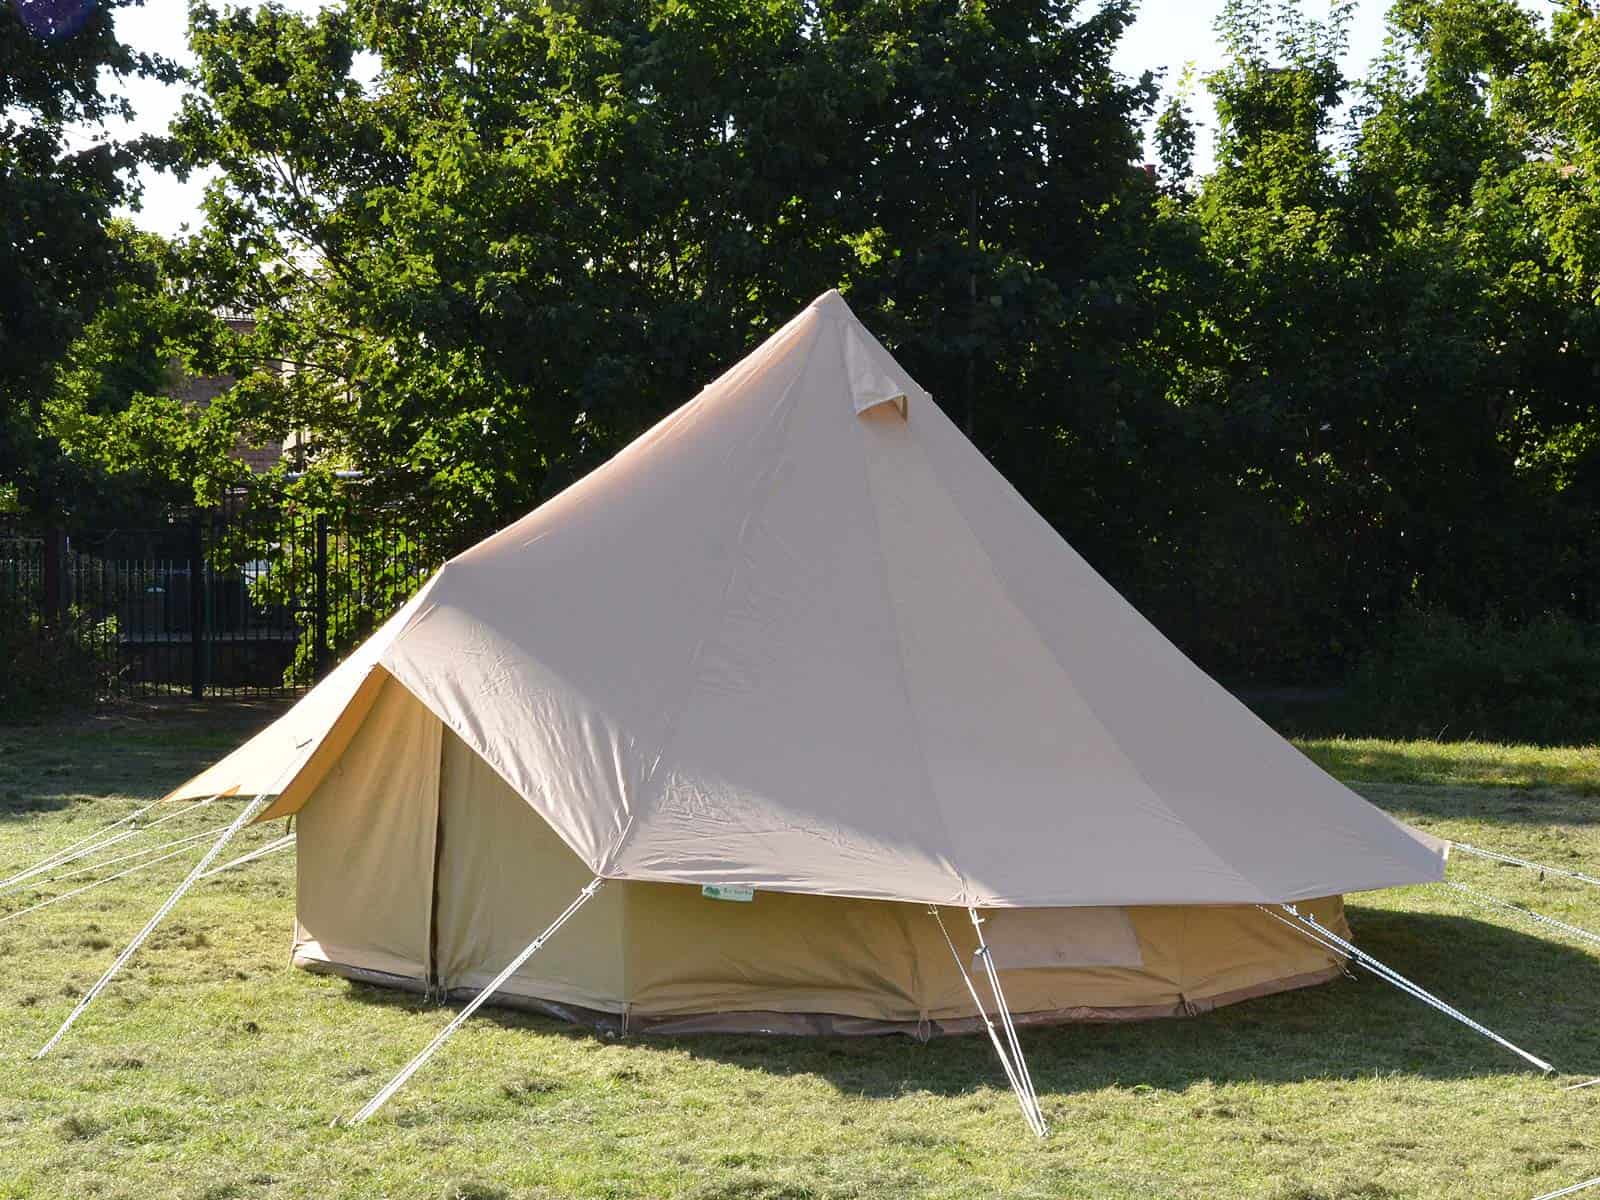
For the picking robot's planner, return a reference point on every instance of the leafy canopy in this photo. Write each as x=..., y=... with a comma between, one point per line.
x=541, y=226
x=61, y=175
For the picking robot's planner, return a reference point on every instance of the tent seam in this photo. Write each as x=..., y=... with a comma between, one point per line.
x=762, y=494
x=1033, y=627
x=893, y=609
x=1367, y=845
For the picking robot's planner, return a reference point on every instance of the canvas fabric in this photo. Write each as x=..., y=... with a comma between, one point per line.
x=420, y=866
x=802, y=636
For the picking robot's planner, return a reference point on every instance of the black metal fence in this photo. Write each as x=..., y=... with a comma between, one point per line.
x=255, y=597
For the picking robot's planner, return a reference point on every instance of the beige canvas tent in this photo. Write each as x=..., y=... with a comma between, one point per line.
x=801, y=643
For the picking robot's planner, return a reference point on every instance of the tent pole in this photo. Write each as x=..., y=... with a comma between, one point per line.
x=1005, y=1019
x=1035, y=1120
x=1326, y=938
x=198, y=869
x=477, y=1002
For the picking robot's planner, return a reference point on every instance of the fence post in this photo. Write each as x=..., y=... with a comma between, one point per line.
x=321, y=657
x=54, y=581
x=197, y=606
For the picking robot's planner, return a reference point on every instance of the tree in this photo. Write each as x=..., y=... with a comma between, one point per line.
x=125, y=440
x=58, y=256
x=543, y=226
x=1349, y=370
x=1401, y=336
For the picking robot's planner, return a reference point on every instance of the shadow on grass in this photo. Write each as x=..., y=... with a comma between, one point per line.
x=1344, y=1030
x=134, y=751
x=1509, y=807
x=1574, y=769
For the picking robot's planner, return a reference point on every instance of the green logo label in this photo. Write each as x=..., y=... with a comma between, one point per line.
x=728, y=891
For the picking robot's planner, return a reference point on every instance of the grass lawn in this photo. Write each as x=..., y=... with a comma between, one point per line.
x=212, y=1070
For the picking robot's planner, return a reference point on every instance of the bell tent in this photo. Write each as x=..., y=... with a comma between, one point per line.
x=801, y=641
x=799, y=675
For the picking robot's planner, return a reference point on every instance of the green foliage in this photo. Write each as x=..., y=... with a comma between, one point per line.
x=375, y=562
x=1351, y=369
x=50, y=669
x=1438, y=675
x=127, y=442
x=59, y=70
x=542, y=227
x=1382, y=377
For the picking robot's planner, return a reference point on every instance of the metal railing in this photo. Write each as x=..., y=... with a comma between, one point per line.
x=254, y=597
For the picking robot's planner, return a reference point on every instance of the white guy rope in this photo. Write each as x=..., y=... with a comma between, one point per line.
x=1006, y=1021
x=89, y=887
x=132, y=854
x=1333, y=941
x=51, y=864
x=271, y=847
x=1539, y=918
x=477, y=1002
x=1573, y=1190
x=195, y=872
x=1523, y=862
x=1035, y=1122
x=1320, y=933
x=983, y=1013
x=88, y=837
x=45, y=868
x=1576, y=1087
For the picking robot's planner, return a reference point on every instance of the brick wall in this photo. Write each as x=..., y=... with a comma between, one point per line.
x=198, y=391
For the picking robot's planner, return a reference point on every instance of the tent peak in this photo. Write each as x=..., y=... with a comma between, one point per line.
x=873, y=375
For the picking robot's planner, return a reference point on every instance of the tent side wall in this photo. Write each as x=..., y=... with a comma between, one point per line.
x=887, y=962
x=503, y=874
x=365, y=846
x=417, y=862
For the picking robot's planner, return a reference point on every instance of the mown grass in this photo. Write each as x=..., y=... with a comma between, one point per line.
x=1451, y=764
x=212, y=1070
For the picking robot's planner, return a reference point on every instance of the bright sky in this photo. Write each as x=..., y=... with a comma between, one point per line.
x=1167, y=35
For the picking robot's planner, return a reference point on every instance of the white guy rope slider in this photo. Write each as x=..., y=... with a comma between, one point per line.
x=1512, y=860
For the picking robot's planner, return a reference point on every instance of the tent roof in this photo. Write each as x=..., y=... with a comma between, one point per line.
x=802, y=635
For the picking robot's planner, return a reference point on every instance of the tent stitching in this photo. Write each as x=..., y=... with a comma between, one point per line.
x=762, y=491
x=1066, y=676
